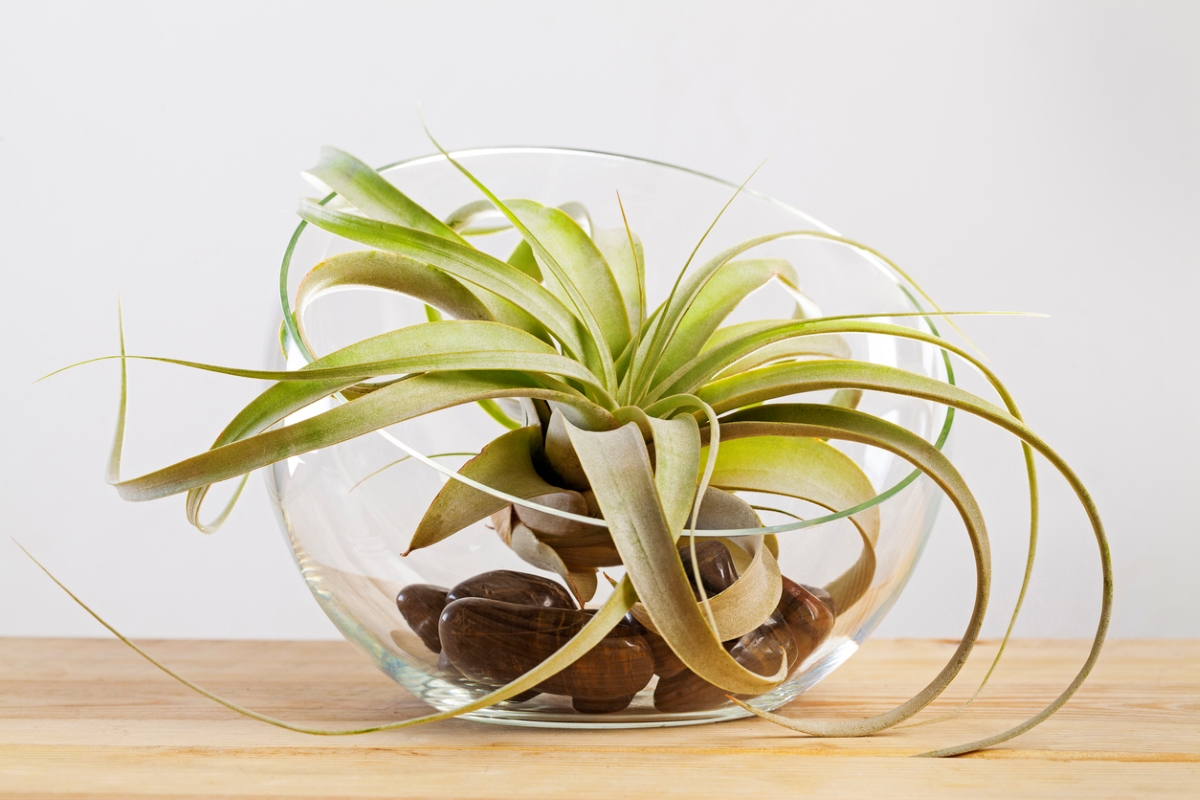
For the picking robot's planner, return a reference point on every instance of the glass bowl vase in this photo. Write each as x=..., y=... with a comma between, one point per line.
x=348, y=511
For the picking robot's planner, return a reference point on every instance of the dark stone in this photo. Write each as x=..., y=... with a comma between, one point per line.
x=495, y=642
x=445, y=666
x=808, y=612
x=762, y=650
x=421, y=606
x=665, y=660
x=717, y=572
x=509, y=586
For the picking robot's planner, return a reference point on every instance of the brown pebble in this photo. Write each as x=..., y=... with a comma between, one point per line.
x=717, y=571
x=665, y=661
x=808, y=612
x=496, y=642
x=509, y=586
x=586, y=706
x=421, y=606
x=761, y=650
x=445, y=666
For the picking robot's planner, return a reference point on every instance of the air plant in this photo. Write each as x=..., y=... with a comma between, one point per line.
x=641, y=423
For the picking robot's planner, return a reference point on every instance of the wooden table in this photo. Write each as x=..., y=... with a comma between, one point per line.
x=88, y=718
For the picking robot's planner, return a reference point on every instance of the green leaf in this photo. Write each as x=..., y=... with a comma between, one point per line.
x=506, y=464
x=394, y=273
x=781, y=380
x=412, y=397
x=679, y=302
x=372, y=194
x=825, y=422
x=741, y=345
x=624, y=254
x=618, y=465
x=810, y=470
x=594, y=336
x=607, y=617
x=477, y=218
x=721, y=294
x=523, y=259
x=493, y=410
x=677, y=473
x=581, y=263
x=466, y=264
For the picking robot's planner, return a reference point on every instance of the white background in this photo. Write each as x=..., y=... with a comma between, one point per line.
x=1022, y=156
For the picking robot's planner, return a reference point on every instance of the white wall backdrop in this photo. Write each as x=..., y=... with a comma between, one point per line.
x=1015, y=155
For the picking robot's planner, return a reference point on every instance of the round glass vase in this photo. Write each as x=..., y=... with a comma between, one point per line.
x=349, y=511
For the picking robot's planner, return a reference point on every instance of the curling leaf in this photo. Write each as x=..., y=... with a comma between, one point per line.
x=385, y=406
x=374, y=195
x=466, y=264
x=505, y=464
x=581, y=264
x=618, y=465
x=811, y=470
x=732, y=283
x=623, y=252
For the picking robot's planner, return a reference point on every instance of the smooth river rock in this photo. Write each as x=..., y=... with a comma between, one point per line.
x=762, y=650
x=717, y=572
x=421, y=606
x=495, y=642
x=509, y=586
x=808, y=612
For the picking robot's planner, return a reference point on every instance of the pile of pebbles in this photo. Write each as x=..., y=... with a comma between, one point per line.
x=496, y=626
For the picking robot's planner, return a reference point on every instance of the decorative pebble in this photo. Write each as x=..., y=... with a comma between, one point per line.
x=717, y=571
x=510, y=586
x=808, y=612
x=665, y=661
x=421, y=605
x=495, y=642
x=762, y=650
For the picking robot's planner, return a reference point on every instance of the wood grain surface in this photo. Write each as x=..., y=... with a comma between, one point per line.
x=89, y=718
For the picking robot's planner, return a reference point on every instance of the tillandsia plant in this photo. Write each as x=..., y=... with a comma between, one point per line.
x=636, y=430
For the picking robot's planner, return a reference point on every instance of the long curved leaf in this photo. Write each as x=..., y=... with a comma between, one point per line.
x=505, y=464
x=607, y=617
x=393, y=272
x=374, y=195
x=466, y=264
x=825, y=422
x=624, y=254
x=386, y=406
x=581, y=263
x=904, y=383
x=734, y=349
x=732, y=283
x=781, y=380
x=745, y=604
x=449, y=344
x=594, y=335
x=618, y=465
x=811, y=470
